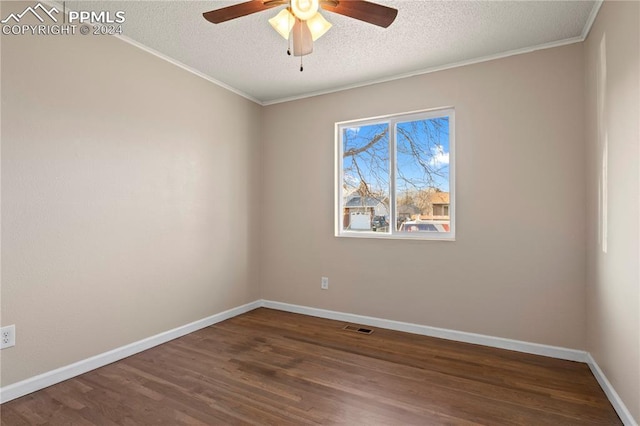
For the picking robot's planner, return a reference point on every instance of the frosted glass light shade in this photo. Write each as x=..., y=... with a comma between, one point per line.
x=283, y=23
x=302, y=40
x=304, y=9
x=318, y=26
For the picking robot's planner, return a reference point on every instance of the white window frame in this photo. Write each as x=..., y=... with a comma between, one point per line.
x=392, y=120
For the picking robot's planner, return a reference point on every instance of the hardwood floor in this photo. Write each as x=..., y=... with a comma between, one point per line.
x=271, y=367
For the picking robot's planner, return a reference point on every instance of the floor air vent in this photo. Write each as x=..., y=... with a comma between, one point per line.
x=357, y=329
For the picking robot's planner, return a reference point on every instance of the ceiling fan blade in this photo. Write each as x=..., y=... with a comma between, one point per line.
x=372, y=13
x=238, y=10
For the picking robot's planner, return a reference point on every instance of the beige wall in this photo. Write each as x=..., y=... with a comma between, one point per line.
x=127, y=185
x=520, y=143
x=612, y=55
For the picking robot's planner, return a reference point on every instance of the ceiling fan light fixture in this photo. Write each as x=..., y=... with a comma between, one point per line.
x=300, y=22
x=318, y=26
x=304, y=9
x=283, y=23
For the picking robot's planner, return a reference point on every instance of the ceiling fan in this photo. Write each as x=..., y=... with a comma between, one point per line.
x=301, y=22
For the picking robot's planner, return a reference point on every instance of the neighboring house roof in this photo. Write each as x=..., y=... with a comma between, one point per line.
x=360, y=201
x=439, y=198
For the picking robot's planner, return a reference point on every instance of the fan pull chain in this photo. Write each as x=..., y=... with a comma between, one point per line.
x=301, y=53
x=289, y=39
x=289, y=45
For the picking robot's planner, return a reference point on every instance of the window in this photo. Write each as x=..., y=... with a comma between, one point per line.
x=395, y=176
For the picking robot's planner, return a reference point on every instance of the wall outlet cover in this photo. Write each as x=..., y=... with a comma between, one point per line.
x=324, y=283
x=7, y=336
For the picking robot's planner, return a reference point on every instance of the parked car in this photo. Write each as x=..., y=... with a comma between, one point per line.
x=379, y=222
x=424, y=226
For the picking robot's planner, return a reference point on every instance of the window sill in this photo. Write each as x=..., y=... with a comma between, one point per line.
x=384, y=236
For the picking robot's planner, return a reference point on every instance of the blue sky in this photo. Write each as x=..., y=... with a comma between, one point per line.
x=422, y=155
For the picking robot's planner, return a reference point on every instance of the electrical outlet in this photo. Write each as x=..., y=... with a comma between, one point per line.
x=324, y=283
x=8, y=336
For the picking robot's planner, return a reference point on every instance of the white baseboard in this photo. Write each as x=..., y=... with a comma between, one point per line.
x=41, y=381
x=443, y=333
x=614, y=398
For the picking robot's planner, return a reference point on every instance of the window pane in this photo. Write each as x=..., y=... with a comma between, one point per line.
x=422, y=175
x=365, y=178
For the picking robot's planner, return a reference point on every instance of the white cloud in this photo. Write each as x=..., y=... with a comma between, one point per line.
x=352, y=131
x=351, y=180
x=439, y=156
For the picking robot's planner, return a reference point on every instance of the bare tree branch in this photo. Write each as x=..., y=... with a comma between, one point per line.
x=377, y=138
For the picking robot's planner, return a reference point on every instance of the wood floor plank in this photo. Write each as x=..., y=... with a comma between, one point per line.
x=271, y=367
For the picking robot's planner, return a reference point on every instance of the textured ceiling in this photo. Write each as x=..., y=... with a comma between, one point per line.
x=248, y=56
